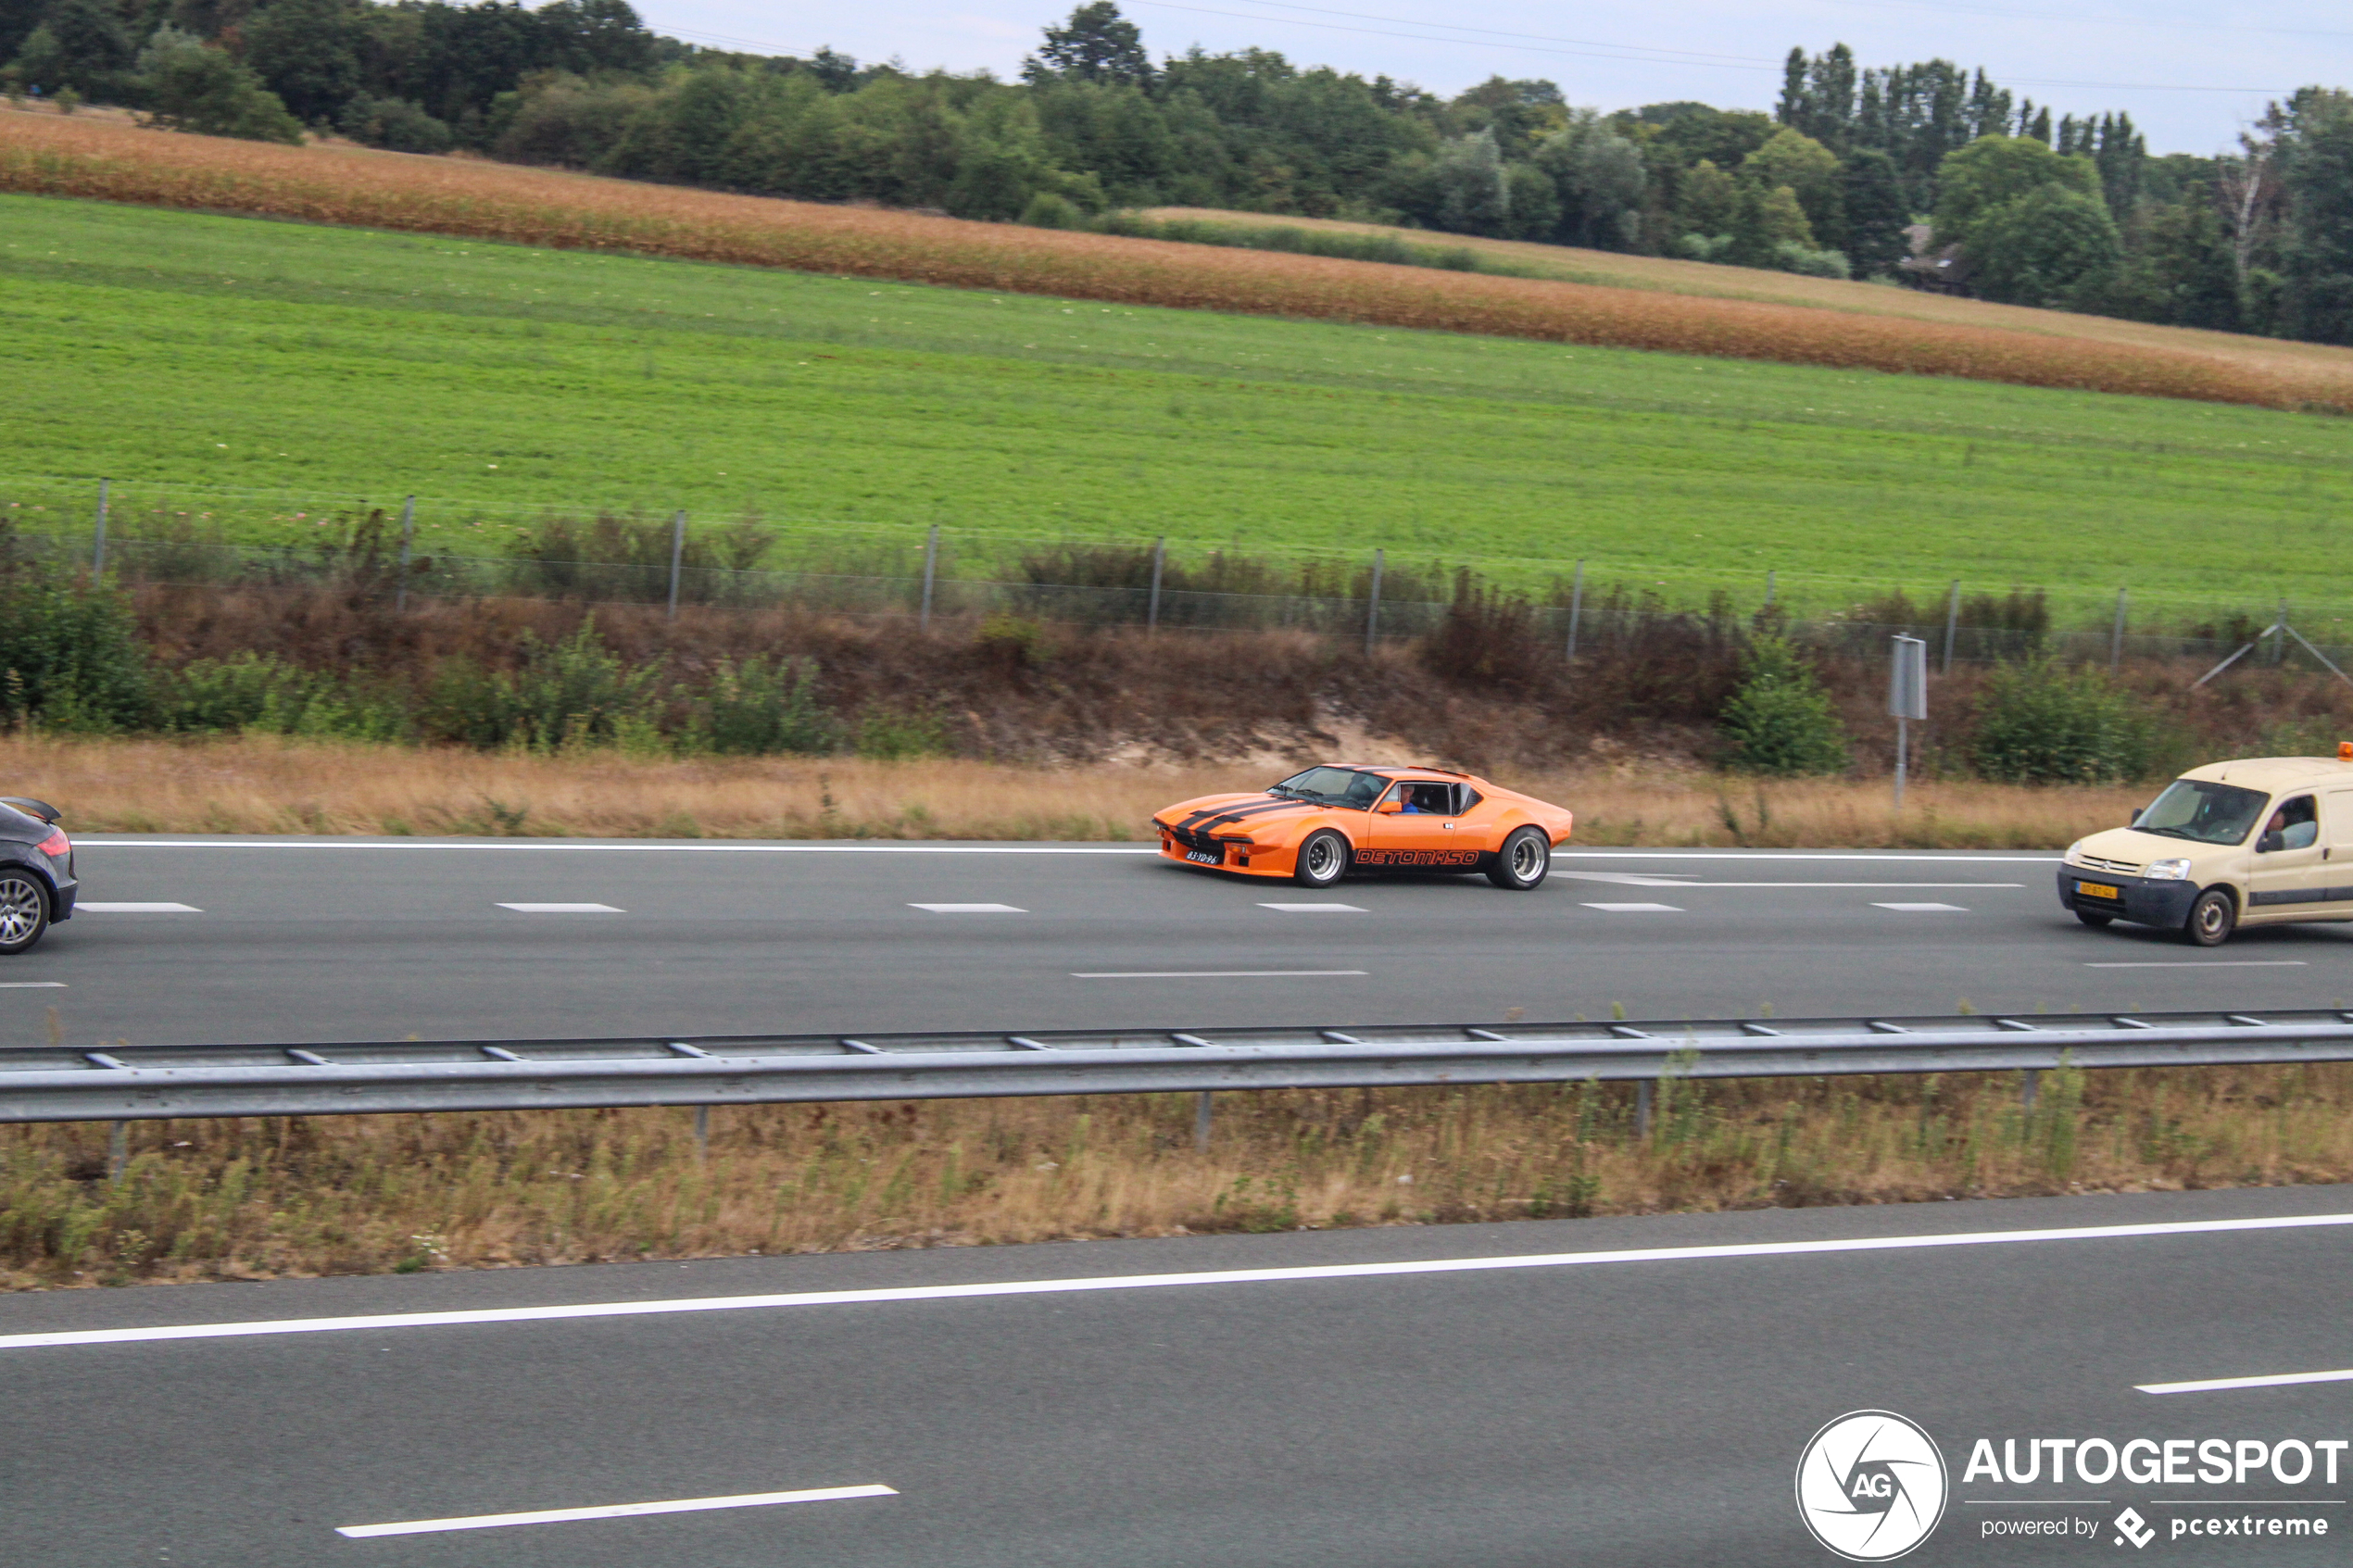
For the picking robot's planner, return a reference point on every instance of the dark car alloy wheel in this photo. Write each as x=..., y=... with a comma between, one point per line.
x=1323, y=859
x=25, y=911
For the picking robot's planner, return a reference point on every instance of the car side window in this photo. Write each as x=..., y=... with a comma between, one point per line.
x=2295, y=825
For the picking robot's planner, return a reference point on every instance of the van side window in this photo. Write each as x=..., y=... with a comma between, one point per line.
x=2296, y=824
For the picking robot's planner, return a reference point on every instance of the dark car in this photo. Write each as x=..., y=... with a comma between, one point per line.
x=36, y=872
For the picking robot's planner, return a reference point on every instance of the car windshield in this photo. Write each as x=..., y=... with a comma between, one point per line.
x=1333, y=786
x=2203, y=813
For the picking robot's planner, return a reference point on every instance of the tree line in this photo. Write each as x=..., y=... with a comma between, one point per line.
x=1923, y=173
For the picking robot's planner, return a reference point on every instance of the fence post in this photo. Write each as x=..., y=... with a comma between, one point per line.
x=1642, y=1107
x=2279, y=649
x=678, y=557
x=98, y=551
x=1159, y=560
x=1769, y=590
x=1200, y=1122
x=1372, y=611
x=931, y=565
x=408, y=541
x=1907, y=699
x=118, y=1150
x=2116, y=638
x=1575, y=610
x=1952, y=623
x=2028, y=1081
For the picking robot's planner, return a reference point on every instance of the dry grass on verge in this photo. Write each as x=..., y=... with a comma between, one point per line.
x=258, y=783
x=77, y=156
x=257, y=1198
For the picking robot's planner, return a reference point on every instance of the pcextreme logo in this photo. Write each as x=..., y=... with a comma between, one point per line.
x=1870, y=1486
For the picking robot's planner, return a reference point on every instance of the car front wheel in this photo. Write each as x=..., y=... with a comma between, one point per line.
x=1323, y=859
x=1523, y=863
x=24, y=910
x=2212, y=918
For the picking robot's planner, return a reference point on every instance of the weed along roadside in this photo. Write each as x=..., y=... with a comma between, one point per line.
x=282, y=1196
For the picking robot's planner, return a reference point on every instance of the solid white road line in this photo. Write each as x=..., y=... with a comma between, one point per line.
x=971, y=908
x=1638, y=908
x=1316, y=908
x=563, y=909
x=1638, y=879
x=32, y=985
x=87, y=906
x=1923, y=908
x=560, y=844
x=2204, y=964
x=612, y=1511
x=2215, y=1385
x=1214, y=974
x=379, y=1322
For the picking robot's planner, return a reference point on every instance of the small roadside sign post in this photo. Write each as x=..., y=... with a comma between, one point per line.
x=1907, y=699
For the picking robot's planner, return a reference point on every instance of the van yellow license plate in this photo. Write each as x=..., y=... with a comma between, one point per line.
x=2099, y=890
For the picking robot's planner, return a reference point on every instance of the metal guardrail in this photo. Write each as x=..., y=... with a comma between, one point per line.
x=147, y=1082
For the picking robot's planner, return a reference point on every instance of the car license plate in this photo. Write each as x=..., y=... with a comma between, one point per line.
x=1205, y=857
x=2099, y=890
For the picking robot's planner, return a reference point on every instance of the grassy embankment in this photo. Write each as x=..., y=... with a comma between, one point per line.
x=194, y=355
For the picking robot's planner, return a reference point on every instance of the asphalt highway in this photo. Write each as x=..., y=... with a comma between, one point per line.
x=286, y=940
x=1644, y=1411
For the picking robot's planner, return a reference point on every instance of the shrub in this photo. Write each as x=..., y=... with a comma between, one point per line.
x=1488, y=637
x=189, y=85
x=264, y=693
x=1791, y=257
x=398, y=124
x=1047, y=211
x=572, y=693
x=70, y=658
x=891, y=735
x=2038, y=723
x=1779, y=720
x=762, y=705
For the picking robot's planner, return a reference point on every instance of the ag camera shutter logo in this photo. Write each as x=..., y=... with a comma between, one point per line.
x=1871, y=1486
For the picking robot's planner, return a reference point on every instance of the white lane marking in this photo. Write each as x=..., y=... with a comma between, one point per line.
x=563, y=909
x=1638, y=908
x=2217, y=1385
x=1923, y=908
x=2050, y=859
x=612, y=1511
x=87, y=906
x=2204, y=963
x=1212, y=973
x=1642, y=879
x=32, y=985
x=971, y=908
x=849, y=849
x=1315, y=909
x=381, y=1321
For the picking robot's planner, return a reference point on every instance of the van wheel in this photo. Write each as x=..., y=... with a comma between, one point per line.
x=2093, y=919
x=2212, y=918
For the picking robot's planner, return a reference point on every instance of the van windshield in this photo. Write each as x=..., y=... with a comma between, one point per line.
x=1333, y=786
x=2204, y=813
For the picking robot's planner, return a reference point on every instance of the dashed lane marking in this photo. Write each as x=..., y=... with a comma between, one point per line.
x=563, y=909
x=87, y=907
x=1923, y=908
x=971, y=908
x=1216, y=973
x=1638, y=908
x=1315, y=909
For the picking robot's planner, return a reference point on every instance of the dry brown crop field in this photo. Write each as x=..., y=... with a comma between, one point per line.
x=262, y=783
x=44, y=154
x=264, y=1198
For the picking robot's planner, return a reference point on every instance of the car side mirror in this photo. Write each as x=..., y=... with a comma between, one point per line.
x=2136, y=819
x=2270, y=843
x=1390, y=807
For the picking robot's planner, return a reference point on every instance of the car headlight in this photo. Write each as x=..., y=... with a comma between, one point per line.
x=2166, y=871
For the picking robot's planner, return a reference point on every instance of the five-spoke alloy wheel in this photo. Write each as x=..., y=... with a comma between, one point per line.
x=24, y=910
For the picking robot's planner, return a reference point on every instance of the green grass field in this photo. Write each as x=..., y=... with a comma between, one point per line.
x=254, y=370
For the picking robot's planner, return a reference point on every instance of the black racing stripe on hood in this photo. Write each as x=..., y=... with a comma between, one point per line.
x=1255, y=814
x=1237, y=811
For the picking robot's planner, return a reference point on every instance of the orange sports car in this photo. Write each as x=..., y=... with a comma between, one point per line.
x=1315, y=827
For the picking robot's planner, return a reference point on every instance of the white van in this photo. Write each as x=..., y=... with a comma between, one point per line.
x=2255, y=842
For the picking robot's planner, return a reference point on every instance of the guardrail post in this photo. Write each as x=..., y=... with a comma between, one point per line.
x=703, y=1132
x=931, y=568
x=1200, y=1122
x=2028, y=1081
x=1372, y=609
x=1643, y=1108
x=118, y=1150
x=407, y=542
x=1159, y=560
x=98, y=550
x=678, y=557
x=1576, y=612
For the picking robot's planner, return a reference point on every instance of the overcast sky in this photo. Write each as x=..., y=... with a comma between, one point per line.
x=2189, y=74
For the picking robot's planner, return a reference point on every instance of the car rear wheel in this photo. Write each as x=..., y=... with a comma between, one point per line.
x=1523, y=861
x=2212, y=918
x=2096, y=918
x=24, y=910
x=1323, y=859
